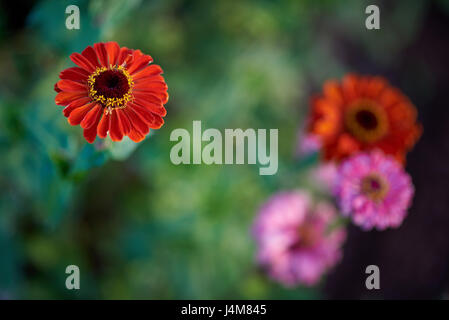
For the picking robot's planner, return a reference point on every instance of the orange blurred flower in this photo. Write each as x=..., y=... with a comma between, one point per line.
x=363, y=113
x=113, y=90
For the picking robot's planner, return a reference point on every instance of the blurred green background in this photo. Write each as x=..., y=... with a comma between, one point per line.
x=137, y=225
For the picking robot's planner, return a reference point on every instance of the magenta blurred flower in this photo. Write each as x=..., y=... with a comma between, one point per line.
x=374, y=190
x=294, y=240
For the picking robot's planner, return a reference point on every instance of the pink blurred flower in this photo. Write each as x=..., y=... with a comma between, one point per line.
x=374, y=190
x=324, y=175
x=294, y=241
x=307, y=143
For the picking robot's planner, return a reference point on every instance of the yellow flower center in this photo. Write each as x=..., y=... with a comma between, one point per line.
x=111, y=87
x=308, y=235
x=366, y=121
x=374, y=187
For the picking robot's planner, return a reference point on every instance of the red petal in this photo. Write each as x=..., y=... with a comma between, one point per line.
x=129, y=59
x=153, y=120
x=75, y=104
x=145, y=114
x=157, y=123
x=350, y=87
x=126, y=125
x=152, y=70
x=159, y=90
x=124, y=54
x=115, y=131
x=150, y=102
x=151, y=85
x=74, y=74
x=135, y=135
x=89, y=54
x=137, y=122
x=82, y=62
x=72, y=86
x=91, y=133
x=139, y=63
x=164, y=97
x=56, y=88
x=103, y=126
x=153, y=78
x=63, y=98
x=77, y=115
x=91, y=117
x=137, y=53
x=113, y=51
x=101, y=53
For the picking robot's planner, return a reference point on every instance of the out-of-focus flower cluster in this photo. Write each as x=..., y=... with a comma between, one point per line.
x=362, y=129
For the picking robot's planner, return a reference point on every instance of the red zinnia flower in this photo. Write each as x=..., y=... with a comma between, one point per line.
x=113, y=90
x=363, y=113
